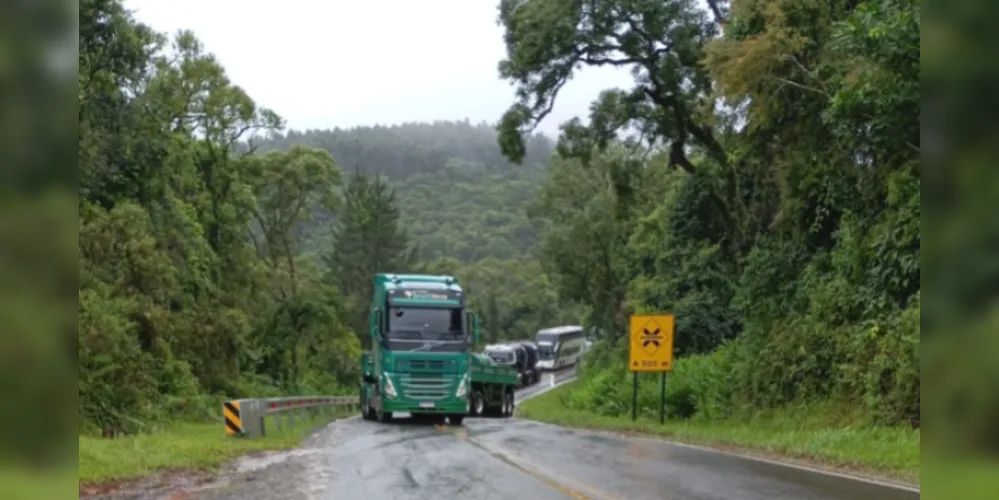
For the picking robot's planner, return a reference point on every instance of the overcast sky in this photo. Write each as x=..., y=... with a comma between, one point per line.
x=329, y=63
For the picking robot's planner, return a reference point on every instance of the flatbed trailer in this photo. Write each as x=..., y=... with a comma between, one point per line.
x=493, y=387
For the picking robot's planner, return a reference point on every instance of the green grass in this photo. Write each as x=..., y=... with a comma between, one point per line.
x=960, y=478
x=797, y=434
x=19, y=483
x=189, y=446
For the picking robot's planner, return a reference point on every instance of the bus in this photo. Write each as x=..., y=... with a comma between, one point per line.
x=559, y=347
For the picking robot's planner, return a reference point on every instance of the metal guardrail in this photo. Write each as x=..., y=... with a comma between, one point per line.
x=248, y=417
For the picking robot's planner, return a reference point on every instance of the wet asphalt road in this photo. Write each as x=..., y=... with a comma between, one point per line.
x=497, y=459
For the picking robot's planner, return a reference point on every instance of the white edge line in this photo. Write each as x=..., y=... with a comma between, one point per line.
x=779, y=463
x=707, y=449
x=792, y=465
x=564, y=381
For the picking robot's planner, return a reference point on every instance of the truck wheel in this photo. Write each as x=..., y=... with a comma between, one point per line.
x=455, y=419
x=478, y=404
x=384, y=416
x=365, y=407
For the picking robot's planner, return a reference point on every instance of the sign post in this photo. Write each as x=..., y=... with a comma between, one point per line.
x=650, y=350
x=634, y=396
x=662, y=399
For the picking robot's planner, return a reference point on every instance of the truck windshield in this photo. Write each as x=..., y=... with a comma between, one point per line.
x=424, y=323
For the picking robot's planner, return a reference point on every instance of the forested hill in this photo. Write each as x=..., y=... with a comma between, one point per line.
x=458, y=195
x=398, y=151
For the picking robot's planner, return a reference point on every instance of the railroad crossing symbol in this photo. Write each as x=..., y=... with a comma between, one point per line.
x=651, y=343
x=651, y=338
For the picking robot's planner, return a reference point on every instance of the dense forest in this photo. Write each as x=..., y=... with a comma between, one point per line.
x=222, y=256
x=770, y=200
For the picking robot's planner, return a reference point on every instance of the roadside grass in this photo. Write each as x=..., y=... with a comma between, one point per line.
x=801, y=434
x=962, y=478
x=18, y=483
x=182, y=446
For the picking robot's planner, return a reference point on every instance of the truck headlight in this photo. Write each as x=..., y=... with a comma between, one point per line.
x=462, y=387
x=389, y=388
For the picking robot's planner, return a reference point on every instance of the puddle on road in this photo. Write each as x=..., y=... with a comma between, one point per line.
x=260, y=461
x=176, y=485
x=166, y=485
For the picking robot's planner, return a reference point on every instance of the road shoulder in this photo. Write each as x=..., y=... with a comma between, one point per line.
x=886, y=456
x=181, y=457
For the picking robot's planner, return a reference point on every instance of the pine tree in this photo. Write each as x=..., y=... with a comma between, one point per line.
x=366, y=240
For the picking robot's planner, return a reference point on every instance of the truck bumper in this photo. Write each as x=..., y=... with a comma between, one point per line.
x=450, y=406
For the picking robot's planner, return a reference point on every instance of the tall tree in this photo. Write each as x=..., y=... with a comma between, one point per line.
x=367, y=239
x=793, y=237
x=287, y=185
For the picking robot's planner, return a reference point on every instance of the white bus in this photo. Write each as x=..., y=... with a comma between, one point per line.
x=559, y=347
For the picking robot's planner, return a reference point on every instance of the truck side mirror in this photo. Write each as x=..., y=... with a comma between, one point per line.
x=376, y=323
x=469, y=326
x=476, y=335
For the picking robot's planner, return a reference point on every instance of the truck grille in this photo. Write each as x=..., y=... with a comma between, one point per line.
x=436, y=366
x=426, y=388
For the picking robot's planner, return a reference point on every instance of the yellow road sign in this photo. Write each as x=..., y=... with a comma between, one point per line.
x=651, y=343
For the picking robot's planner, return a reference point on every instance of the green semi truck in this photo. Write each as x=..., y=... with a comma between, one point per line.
x=420, y=360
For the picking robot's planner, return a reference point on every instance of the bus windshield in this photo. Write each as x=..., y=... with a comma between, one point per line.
x=546, y=352
x=547, y=337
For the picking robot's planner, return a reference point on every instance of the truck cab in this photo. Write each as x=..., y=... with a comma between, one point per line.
x=419, y=362
x=532, y=361
x=526, y=363
x=518, y=356
x=500, y=354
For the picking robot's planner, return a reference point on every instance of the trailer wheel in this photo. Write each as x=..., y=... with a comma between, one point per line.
x=478, y=404
x=507, y=410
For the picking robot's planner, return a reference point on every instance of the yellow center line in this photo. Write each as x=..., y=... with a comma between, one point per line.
x=557, y=481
